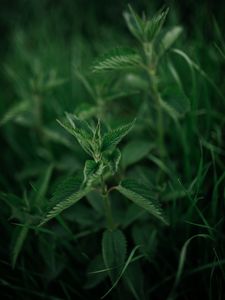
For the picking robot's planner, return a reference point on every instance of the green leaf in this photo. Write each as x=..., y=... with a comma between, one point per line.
x=114, y=252
x=43, y=186
x=112, y=160
x=127, y=263
x=134, y=23
x=113, y=137
x=145, y=30
x=96, y=272
x=18, y=241
x=135, y=151
x=95, y=200
x=134, y=280
x=92, y=171
x=170, y=37
x=182, y=257
x=141, y=196
x=117, y=59
x=153, y=26
x=80, y=125
x=67, y=193
x=81, y=130
x=133, y=81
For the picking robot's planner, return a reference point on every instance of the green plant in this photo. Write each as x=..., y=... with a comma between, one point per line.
x=85, y=200
x=146, y=60
x=101, y=144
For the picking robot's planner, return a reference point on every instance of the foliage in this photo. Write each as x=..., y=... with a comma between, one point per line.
x=112, y=162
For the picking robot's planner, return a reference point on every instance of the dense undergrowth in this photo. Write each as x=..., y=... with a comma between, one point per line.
x=112, y=152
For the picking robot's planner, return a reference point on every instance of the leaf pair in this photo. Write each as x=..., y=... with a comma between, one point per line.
x=91, y=140
x=102, y=148
x=145, y=30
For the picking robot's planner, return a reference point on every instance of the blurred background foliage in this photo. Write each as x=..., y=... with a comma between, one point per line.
x=47, y=49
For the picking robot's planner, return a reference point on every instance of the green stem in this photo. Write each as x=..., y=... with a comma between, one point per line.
x=151, y=67
x=160, y=122
x=107, y=206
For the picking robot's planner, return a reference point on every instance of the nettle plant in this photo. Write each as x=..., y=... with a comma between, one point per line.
x=101, y=144
x=144, y=68
x=111, y=195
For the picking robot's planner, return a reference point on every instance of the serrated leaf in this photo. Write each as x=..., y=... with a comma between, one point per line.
x=92, y=171
x=81, y=130
x=113, y=137
x=154, y=25
x=117, y=59
x=67, y=193
x=112, y=160
x=80, y=125
x=114, y=252
x=89, y=169
x=141, y=196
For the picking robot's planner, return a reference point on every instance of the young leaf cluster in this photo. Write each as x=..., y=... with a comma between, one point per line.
x=102, y=147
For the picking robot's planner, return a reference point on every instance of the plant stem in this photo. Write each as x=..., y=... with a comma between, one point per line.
x=160, y=123
x=151, y=67
x=107, y=206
